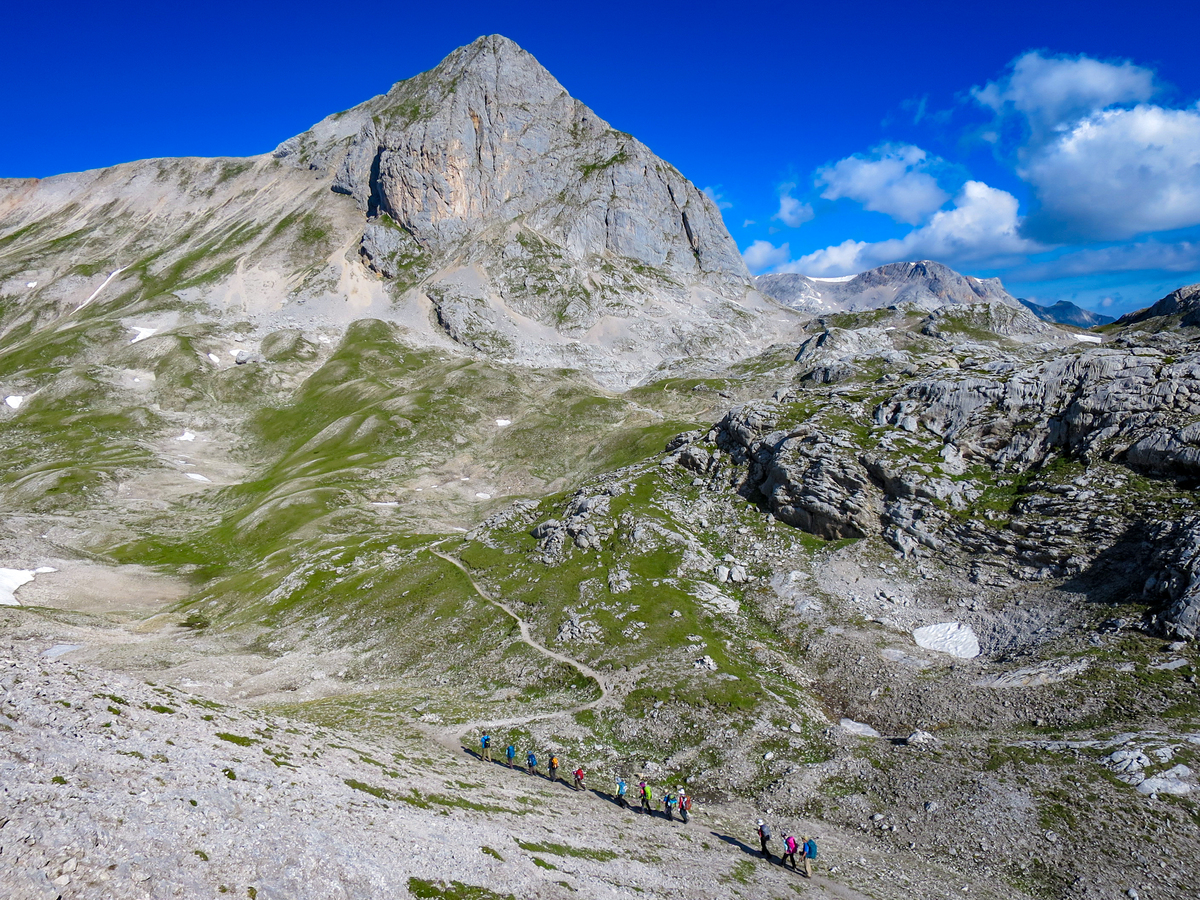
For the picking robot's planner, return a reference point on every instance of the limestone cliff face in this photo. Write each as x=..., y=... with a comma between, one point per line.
x=486, y=162
x=490, y=136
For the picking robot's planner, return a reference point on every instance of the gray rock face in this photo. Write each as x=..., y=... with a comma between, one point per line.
x=1180, y=307
x=486, y=163
x=1121, y=406
x=928, y=285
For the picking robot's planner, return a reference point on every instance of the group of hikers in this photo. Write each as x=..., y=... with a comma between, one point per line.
x=670, y=802
x=790, y=847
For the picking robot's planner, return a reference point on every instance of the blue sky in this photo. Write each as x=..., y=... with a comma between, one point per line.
x=1055, y=145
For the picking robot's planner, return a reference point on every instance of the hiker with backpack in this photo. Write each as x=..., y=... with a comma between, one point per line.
x=669, y=807
x=531, y=759
x=764, y=835
x=554, y=768
x=810, y=853
x=789, y=850
x=579, y=779
x=485, y=747
x=622, y=787
x=511, y=753
x=646, y=797
x=685, y=806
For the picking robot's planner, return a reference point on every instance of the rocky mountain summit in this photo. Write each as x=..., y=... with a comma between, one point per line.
x=925, y=284
x=1179, y=308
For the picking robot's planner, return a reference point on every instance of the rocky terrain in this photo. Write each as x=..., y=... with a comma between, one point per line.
x=460, y=412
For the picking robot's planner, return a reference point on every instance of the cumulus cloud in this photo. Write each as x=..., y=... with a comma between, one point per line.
x=714, y=194
x=792, y=211
x=891, y=179
x=763, y=255
x=1050, y=91
x=982, y=226
x=1116, y=174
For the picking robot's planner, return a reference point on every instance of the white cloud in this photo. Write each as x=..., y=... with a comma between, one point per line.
x=1050, y=91
x=792, y=211
x=714, y=194
x=983, y=225
x=763, y=255
x=892, y=179
x=1116, y=174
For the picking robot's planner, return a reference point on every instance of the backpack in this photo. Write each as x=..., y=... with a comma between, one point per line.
x=554, y=762
x=687, y=802
x=511, y=751
x=791, y=844
x=486, y=740
x=765, y=830
x=810, y=849
x=532, y=760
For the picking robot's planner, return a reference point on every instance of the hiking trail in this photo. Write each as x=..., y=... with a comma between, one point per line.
x=451, y=737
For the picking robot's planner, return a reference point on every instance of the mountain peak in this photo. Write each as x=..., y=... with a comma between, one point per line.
x=489, y=188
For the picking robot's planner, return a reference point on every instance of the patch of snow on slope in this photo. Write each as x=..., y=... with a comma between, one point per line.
x=859, y=728
x=11, y=579
x=196, y=476
x=31, y=284
x=186, y=436
x=215, y=358
x=142, y=333
x=14, y=401
x=1088, y=338
x=948, y=637
x=841, y=279
x=503, y=423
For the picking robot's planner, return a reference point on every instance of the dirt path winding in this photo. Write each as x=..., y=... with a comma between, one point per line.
x=451, y=737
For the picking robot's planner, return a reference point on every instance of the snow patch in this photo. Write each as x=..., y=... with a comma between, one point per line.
x=11, y=579
x=387, y=503
x=503, y=423
x=186, y=436
x=948, y=637
x=1088, y=338
x=59, y=649
x=215, y=358
x=859, y=728
x=31, y=284
x=196, y=476
x=142, y=333
x=14, y=401
x=96, y=293
x=841, y=279
x=480, y=495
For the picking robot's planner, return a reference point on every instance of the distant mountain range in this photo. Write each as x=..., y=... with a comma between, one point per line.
x=1066, y=313
x=925, y=284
